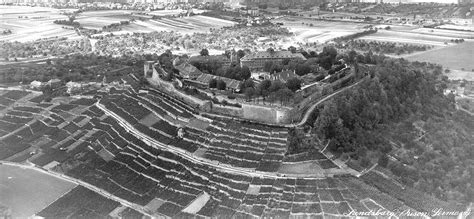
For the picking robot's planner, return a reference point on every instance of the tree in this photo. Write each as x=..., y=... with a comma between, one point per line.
x=285, y=95
x=263, y=88
x=302, y=69
x=220, y=85
x=240, y=54
x=249, y=92
x=276, y=85
x=383, y=161
x=271, y=50
x=245, y=72
x=246, y=84
x=292, y=49
x=204, y=52
x=213, y=83
x=293, y=84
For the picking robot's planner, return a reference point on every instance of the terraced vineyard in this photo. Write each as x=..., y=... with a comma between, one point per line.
x=159, y=154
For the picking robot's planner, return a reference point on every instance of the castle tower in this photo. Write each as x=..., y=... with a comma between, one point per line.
x=147, y=68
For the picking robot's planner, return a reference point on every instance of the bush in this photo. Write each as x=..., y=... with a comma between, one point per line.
x=221, y=85
x=231, y=96
x=213, y=83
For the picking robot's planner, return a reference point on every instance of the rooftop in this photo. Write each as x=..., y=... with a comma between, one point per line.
x=187, y=70
x=230, y=83
x=275, y=55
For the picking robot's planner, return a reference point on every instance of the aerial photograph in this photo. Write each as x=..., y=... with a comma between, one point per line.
x=355, y=109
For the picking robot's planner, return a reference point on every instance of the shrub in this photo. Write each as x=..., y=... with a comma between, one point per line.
x=231, y=96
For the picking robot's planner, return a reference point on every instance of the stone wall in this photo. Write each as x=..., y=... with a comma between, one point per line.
x=263, y=114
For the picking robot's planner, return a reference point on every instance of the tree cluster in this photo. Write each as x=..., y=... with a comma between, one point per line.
x=213, y=67
x=73, y=68
x=218, y=84
x=115, y=26
x=68, y=23
x=360, y=122
x=271, y=90
x=48, y=47
x=383, y=47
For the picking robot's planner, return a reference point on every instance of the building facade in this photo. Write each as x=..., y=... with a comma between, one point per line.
x=256, y=61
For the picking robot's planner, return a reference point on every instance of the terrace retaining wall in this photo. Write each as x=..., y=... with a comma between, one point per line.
x=264, y=114
x=227, y=110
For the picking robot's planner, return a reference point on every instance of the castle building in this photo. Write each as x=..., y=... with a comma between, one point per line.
x=256, y=61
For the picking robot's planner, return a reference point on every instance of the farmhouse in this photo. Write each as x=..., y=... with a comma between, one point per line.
x=256, y=61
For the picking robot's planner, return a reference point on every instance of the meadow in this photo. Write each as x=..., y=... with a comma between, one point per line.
x=27, y=191
x=412, y=37
x=458, y=57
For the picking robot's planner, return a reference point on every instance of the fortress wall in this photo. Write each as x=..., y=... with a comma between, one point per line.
x=250, y=112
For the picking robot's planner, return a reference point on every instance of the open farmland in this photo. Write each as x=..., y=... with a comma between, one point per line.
x=26, y=191
x=197, y=23
x=98, y=19
x=36, y=23
x=320, y=31
x=457, y=57
x=174, y=12
x=412, y=37
x=185, y=25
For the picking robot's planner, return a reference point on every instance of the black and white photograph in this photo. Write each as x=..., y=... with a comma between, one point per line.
x=196, y=109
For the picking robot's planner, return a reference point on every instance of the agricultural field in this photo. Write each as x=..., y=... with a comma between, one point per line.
x=26, y=191
x=174, y=12
x=105, y=142
x=80, y=202
x=457, y=57
x=311, y=31
x=98, y=19
x=35, y=23
x=412, y=37
x=184, y=25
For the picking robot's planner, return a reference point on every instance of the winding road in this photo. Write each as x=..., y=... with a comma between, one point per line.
x=311, y=109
